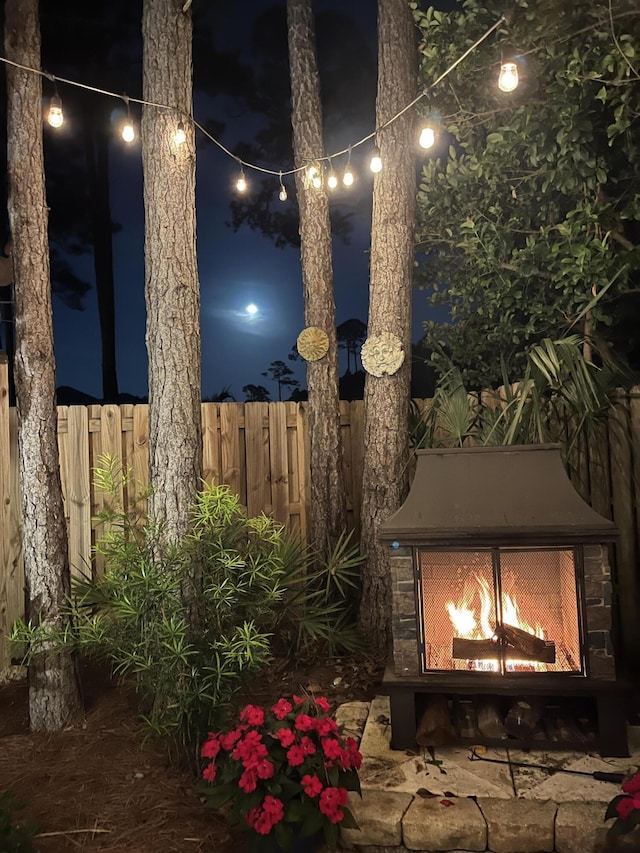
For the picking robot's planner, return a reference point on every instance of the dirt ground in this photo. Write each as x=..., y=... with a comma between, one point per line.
x=95, y=786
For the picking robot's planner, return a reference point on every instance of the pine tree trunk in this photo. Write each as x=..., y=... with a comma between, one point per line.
x=53, y=689
x=328, y=511
x=171, y=286
x=386, y=454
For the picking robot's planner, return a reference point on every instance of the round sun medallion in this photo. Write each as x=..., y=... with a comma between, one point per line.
x=312, y=343
x=382, y=354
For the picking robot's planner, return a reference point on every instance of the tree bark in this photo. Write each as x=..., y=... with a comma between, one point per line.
x=328, y=499
x=54, y=696
x=386, y=453
x=171, y=276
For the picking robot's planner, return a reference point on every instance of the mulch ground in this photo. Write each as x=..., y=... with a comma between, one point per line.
x=97, y=786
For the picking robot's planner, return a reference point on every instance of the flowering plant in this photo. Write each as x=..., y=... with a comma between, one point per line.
x=287, y=771
x=625, y=807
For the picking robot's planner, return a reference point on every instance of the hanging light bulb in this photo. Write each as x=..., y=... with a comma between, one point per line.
x=332, y=178
x=55, y=116
x=427, y=136
x=241, y=183
x=180, y=137
x=347, y=177
x=376, y=162
x=282, y=195
x=313, y=171
x=128, y=132
x=508, y=77
x=316, y=180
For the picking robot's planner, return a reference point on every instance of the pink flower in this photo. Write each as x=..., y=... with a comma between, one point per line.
x=264, y=769
x=253, y=816
x=331, y=800
x=307, y=745
x=211, y=747
x=323, y=704
x=331, y=748
x=286, y=737
x=274, y=807
x=325, y=726
x=304, y=723
x=281, y=709
x=298, y=700
x=312, y=785
x=228, y=741
x=632, y=786
x=252, y=714
x=295, y=755
x=209, y=772
x=248, y=781
x=625, y=807
x=263, y=824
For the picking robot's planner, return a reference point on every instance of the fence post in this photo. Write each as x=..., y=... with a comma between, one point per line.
x=5, y=514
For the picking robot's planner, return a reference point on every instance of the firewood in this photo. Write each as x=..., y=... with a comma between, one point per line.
x=435, y=727
x=523, y=716
x=464, y=649
x=467, y=719
x=521, y=640
x=490, y=719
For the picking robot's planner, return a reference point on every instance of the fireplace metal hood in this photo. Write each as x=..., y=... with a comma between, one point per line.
x=494, y=495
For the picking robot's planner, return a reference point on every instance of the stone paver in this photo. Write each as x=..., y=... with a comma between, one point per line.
x=434, y=824
x=519, y=826
x=576, y=825
x=565, y=787
x=379, y=816
x=352, y=716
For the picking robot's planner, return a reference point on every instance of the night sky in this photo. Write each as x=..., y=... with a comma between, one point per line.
x=235, y=269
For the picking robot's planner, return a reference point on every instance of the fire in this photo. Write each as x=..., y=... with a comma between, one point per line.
x=473, y=618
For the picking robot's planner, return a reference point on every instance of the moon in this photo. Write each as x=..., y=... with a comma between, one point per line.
x=251, y=309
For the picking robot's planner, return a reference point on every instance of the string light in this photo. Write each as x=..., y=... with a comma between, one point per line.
x=427, y=136
x=347, y=177
x=376, y=161
x=332, y=178
x=55, y=116
x=128, y=130
x=180, y=137
x=508, y=77
x=282, y=195
x=241, y=183
x=316, y=176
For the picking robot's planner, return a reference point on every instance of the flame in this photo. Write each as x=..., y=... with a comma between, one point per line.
x=470, y=624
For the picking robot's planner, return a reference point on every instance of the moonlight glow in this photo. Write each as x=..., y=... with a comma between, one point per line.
x=251, y=309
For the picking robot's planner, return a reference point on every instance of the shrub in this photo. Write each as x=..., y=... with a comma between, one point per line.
x=14, y=838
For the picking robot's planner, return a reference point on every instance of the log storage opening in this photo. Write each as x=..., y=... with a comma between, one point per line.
x=508, y=643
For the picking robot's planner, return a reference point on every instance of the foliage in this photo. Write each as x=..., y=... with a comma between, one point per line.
x=256, y=393
x=14, y=838
x=192, y=621
x=530, y=206
x=286, y=770
x=560, y=398
x=625, y=808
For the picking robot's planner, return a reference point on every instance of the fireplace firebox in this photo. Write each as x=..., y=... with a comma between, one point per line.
x=501, y=588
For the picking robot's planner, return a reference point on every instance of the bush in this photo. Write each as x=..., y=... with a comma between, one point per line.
x=190, y=621
x=14, y=838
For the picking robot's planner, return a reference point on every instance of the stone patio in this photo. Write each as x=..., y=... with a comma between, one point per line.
x=443, y=801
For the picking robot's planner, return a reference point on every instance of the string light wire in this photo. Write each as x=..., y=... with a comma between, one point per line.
x=243, y=163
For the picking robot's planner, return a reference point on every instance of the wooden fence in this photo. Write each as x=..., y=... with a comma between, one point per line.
x=261, y=451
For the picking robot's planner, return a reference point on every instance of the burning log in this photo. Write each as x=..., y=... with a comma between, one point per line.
x=521, y=640
x=435, y=727
x=523, y=717
x=512, y=648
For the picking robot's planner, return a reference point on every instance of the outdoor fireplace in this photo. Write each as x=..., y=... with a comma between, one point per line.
x=501, y=588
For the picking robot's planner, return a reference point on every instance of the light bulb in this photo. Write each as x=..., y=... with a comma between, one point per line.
x=282, y=195
x=508, y=79
x=128, y=132
x=312, y=172
x=55, y=116
x=332, y=180
x=376, y=163
x=180, y=137
x=347, y=178
x=241, y=183
x=427, y=136
x=317, y=180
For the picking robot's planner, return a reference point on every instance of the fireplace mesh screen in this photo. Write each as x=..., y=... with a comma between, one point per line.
x=500, y=610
